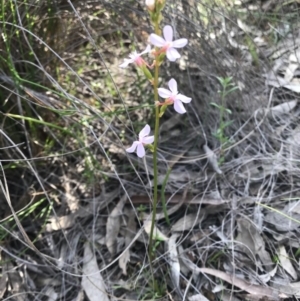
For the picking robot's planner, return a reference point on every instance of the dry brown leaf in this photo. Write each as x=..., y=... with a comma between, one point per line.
x=266, y=277
x=92, y=281
x=184, y=268
x=212, y=159
x=294, y=207
x=16, y=283
x=286, y=263
x=285, y=219
x=50, y=293
x=80, y=296
x=123, y=260
x=67, y=221
x=293, y=65
x=3, y=278
x=129, y=234
x=290, y=289
x=174, y=260
x=63, y=222
x=252, y=289
x=284, y=108
x=157, y=234
x=189, y=221
x=293, y=87
x=252, y=243
x=198, y=297
x=113, y=226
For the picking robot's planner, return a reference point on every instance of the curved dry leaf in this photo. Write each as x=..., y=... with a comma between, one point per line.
x=286, y=263
x=50, y=293
x=284, y=107
x=123, y=260
x=189, y=221
x=184, y=268
x=129, y=234
x=198, y=297
x=266, y=277
x=290, y=289
x=3, y=284
x=252, y=289
x=113, y=226
x=157, y=234
x=283, y=220
x=252, y=243
x=293, y=87
x=92, y=281
x=174, y=261
x=212, y=159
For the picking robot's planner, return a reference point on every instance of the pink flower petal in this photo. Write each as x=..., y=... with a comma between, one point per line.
x=147, y=50
x=173, y=86
x=132, y=148
x=179, y=43
x=168, y=33
x=178, y=107
x=157, y=40
x=148, y=140
x=164, y=93
x=134, y=55
x=126, y=63
x=140, y=150
x=183, y=98
x=144, y=132
x=172, y=54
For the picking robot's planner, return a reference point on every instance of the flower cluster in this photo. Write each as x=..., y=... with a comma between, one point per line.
x=164, y=46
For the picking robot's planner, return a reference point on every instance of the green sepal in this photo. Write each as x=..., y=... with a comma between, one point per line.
x=153, y=17
x=150, y=147
x=146, y=72
x=162, y=110
x=160, y=5
x=161, y=58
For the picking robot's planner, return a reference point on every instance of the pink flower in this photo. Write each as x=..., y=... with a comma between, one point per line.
x=144, y=138
x=167, y=44
x=172, y=96
x=135, y=57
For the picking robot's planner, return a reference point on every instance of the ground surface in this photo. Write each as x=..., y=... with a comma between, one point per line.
x=75, y=208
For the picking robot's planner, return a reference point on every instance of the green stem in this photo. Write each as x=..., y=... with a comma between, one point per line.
x=155, y=87
x=221, y=121
x=163, y=197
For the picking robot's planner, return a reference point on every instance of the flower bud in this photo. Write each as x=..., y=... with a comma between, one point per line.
x=160, y=5
x=150, y=4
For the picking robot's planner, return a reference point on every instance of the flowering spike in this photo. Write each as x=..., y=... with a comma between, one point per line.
x=144, y=139
x=167, y=43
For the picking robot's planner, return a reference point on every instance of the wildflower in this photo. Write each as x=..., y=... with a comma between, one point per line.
x=135, y=57
x=167, y=44
x=173, y=97
x=144, y=138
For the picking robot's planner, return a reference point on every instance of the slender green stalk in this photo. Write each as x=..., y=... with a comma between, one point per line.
x=156, y=130
x=163, y=198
